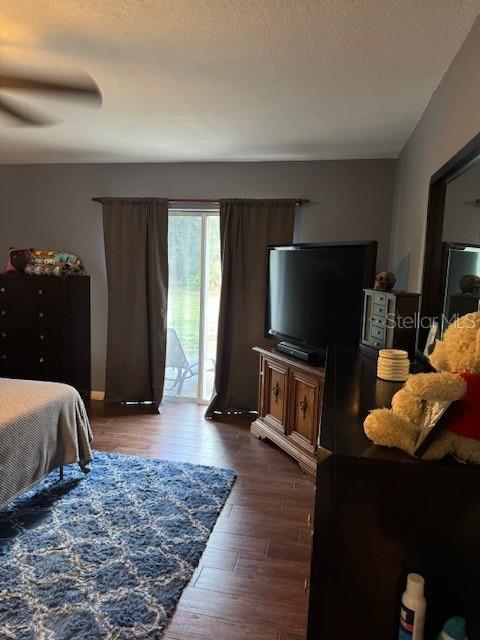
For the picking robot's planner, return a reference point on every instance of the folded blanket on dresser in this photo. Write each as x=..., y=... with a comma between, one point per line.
x=43, y=425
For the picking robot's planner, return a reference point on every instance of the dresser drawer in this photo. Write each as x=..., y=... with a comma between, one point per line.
x=10, y=363
x=46, y=340
x=31, y=337
x=46, y=367
x=44, y=318
x=377, y=333
x=380, y=297
x=380, y=310
x=7, y=315
x=31, y=366
x=10, y=331
x=45, y=291
x=379, y=321
x=26, y=291
x=10, y=296
x=376, y=343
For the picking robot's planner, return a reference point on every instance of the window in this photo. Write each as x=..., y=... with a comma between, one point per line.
x=193, y=302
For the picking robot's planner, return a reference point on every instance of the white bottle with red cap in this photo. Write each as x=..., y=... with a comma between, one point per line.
x=412, y=612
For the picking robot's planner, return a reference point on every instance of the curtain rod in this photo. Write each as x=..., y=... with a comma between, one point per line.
x=298, y=202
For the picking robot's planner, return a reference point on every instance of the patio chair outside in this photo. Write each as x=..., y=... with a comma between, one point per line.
x=177, y=361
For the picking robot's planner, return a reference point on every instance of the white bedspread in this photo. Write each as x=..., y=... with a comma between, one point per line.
x=43, y=425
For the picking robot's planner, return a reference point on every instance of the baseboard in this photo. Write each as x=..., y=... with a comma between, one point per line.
x=97, y=395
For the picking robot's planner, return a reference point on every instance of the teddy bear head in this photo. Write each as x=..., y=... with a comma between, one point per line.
x=459, y=351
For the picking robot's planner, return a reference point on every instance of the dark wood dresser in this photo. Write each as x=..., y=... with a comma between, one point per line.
x=290, y=405
x=381, y=514
x=45, y=329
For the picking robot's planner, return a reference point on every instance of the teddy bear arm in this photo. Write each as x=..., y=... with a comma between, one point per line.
x=389, y=429
x=437, y=387
x=408, y=405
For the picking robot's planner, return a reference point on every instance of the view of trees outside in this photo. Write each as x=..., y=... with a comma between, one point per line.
x=184, y=300
x=214, y=277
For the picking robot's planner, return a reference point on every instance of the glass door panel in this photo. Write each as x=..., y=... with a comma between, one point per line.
x=193, y=300
x=183, y=316
x=211, y=303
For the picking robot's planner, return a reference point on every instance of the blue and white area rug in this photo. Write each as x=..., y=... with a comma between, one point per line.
x=106, y=555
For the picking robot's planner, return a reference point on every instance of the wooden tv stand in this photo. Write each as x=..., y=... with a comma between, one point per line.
x=290, y=405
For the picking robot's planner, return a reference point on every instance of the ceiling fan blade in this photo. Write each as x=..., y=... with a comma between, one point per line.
x=85, y=88
x=24, y=116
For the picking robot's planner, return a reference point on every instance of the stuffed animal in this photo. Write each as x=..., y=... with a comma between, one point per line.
x=457, y=379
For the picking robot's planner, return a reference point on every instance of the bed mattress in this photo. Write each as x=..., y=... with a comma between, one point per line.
x=43, y=425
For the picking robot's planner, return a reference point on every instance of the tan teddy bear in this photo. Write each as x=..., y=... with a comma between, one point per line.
x=457, y=361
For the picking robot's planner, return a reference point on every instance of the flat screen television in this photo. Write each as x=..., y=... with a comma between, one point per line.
x=315, y=292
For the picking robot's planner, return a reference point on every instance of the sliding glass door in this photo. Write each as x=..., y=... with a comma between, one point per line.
x=193, y=301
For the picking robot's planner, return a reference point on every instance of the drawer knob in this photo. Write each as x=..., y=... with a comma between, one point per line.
x=41, y=360
x=2, y=289
x=40, y=292
x=42, y=337
x=303, y=406
x=276, y=390
x=3, y=312
x=4, y=356
x=4, y=335
x=40, y=315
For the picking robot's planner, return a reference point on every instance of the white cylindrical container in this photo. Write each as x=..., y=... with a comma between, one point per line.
x=412, y=612
x=393, y=365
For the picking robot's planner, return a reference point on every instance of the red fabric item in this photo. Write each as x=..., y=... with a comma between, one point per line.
x=465, y=418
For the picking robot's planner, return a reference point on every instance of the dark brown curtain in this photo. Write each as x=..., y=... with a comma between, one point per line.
x=247, y=227
x=136, y=250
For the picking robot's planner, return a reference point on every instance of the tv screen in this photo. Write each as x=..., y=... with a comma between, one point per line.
x=315, y=292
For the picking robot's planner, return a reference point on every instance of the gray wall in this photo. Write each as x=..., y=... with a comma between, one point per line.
x=451, y=119
x=49, y=206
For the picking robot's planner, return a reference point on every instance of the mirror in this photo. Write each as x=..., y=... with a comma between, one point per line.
x=462, y=283
x=451, y=273
x=461, y=245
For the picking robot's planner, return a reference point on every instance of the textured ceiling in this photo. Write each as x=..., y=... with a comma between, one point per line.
x=187, y=80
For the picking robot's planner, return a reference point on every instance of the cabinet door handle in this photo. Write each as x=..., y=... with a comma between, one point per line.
x=276, y=390
x=303, y=405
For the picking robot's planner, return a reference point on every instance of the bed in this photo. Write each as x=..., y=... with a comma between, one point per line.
x=43, y=426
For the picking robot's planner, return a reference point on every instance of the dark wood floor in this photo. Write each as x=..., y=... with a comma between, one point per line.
x=251, y=580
